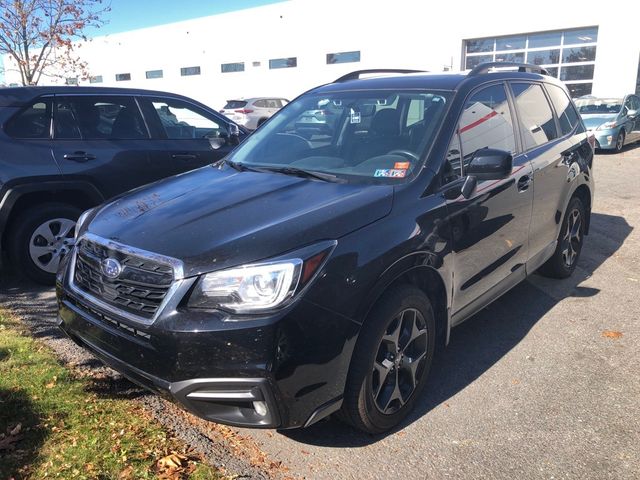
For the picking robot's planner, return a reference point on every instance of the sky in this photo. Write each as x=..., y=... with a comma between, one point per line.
x=131, y=14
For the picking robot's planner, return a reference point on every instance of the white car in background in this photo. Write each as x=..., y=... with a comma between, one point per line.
x=252, y=112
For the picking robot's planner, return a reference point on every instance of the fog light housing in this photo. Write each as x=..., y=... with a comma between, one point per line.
x=260, y=407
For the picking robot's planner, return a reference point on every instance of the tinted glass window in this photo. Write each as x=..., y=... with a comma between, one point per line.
x=283, y=63
x=32, y=122
x=544, y=57
x=577, y=72
x=578, y=90
x=154, y=74
x=94, y=118
x=480, y=45
x=232, y=67
x=578, y=54
x=510, y=43
x=122, y=77
x=486, y=122
x=510, y=57
x=565, y=111
x=545, y=39
x=536, y=119
x=583, y=35
x=95, y=79
x=188, y=71
x=235, y=104
x=181, y=120
x=343, y=57
x=475, y=60
x=260, y=103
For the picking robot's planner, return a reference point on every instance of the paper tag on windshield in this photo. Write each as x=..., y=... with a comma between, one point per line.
x=355, y=116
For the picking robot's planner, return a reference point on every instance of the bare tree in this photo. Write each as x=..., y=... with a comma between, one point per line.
x=42, y=36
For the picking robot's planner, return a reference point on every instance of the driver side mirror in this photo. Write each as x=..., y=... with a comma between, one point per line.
x=486, y=164
x=632, y=114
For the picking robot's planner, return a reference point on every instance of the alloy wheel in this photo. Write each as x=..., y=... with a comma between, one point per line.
x=399, y=361
x=572, y=238
x=50, y=242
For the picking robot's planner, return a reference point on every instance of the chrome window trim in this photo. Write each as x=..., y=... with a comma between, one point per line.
x=176, y=265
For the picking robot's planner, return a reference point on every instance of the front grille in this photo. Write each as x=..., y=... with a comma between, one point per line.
x=140, y=288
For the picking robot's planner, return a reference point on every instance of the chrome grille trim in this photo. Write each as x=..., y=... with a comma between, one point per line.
x=175, y=265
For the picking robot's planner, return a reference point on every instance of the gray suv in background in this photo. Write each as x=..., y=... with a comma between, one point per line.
x=252, y=112
x=66, y=149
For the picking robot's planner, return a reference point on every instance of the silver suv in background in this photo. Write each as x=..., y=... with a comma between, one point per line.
x=252, y=112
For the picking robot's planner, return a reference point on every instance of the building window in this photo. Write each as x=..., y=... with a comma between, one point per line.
x=566, y=54
x=123, y=77
x=188, y=71
x=256, y=64
x=232, y=67
x=71, y=81
x=283, y=62
x=154, y=74
x=95, y=79
x=343, y=57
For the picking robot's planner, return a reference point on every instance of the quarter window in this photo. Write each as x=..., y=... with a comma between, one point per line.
x=567, y=115
x=536, y=118
x=32, y=122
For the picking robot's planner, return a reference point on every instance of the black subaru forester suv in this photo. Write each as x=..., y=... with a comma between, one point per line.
x=305, y=276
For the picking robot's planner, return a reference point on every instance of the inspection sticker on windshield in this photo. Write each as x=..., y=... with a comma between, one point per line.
x=402, y=165
x=390, y=173
x=355, y=116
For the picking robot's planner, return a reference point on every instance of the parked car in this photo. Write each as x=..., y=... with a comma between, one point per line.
x=65, y=149
x=321, y=120
x=298, y=278
x=252, y=112
x=614, y=121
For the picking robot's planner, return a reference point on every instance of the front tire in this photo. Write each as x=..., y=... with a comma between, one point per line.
x=391, y=361
x=39, y=239
x=620, y=141
x=570, y=241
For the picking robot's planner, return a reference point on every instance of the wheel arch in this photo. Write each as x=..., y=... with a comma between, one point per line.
x=584, y=194
x=82, y=195
x=418, y=270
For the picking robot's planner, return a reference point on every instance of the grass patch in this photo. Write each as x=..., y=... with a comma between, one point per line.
x=53, y=426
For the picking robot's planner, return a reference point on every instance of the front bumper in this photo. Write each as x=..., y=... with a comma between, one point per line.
x=285, y=370
x=605, y=139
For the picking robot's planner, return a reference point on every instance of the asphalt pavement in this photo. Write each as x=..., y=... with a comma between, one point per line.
x=544, y=383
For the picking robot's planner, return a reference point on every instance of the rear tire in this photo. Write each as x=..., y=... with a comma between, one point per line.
x=391, y=361
x=570, y=241
x=39, y=238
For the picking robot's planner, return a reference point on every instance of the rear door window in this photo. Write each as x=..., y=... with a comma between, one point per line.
x=536, y=118
x=32, y=122
x=98, y=118
x=566, y=112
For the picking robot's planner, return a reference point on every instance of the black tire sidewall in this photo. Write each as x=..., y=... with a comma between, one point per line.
x=622, y=135
x=20, y=234
x=359, y=384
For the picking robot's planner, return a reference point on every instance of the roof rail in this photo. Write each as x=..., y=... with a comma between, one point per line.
x=356, y=75
x=522, y=67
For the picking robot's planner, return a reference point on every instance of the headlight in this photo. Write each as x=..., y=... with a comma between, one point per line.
x=260, y=287
x=607, y=125
x=249, y=288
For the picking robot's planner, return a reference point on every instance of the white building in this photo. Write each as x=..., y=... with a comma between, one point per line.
x=286, y=48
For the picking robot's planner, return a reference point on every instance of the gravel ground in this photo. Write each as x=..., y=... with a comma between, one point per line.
x=534, y=386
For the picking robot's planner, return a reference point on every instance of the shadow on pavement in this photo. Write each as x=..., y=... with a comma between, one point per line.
x=480, y=342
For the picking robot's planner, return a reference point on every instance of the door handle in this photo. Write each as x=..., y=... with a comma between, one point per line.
x=184, y=156
x=523, y=183
x=79, y=156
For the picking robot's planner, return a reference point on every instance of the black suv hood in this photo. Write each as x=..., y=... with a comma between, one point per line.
x=212, y=218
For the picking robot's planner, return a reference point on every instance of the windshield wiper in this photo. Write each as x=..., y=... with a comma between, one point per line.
x=241, y=167
x=299, y=172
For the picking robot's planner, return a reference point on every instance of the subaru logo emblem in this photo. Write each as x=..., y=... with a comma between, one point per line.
x=110, y=267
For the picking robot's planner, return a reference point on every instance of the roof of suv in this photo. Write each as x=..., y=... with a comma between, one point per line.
x=19, y=96
x=437, y=81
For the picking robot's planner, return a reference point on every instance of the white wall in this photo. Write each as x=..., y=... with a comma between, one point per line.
x=390, y=34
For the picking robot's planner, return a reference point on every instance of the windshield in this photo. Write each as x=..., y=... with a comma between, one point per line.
x=605, y=106
x=357, y=136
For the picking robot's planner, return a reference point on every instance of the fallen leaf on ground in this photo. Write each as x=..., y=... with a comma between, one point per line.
x=611, y=334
